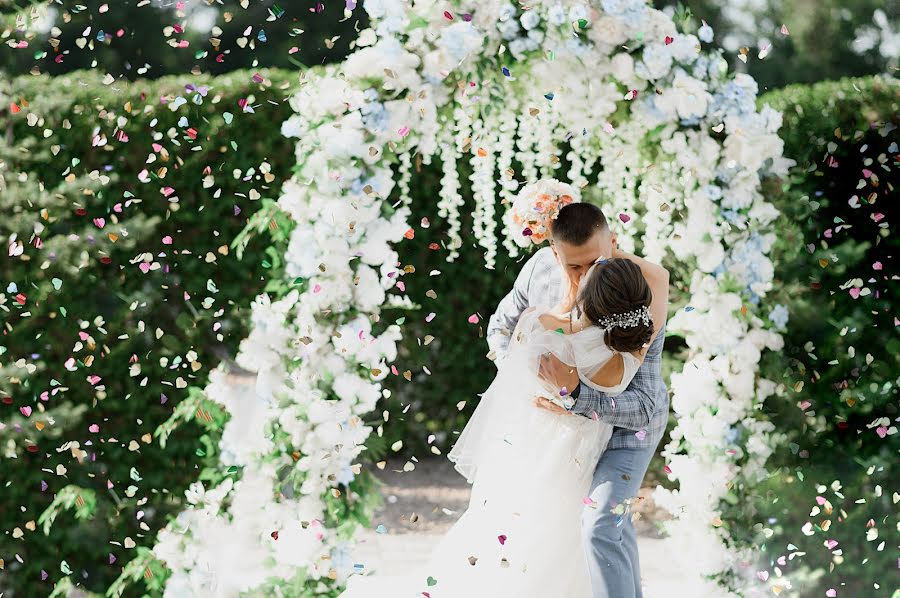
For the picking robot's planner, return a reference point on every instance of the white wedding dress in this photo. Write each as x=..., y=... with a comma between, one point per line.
x=531, y=472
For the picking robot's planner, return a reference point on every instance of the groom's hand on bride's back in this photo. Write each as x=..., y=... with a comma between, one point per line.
x=557, y=375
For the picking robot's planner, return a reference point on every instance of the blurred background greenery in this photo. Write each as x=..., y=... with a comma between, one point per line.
x=77, y=161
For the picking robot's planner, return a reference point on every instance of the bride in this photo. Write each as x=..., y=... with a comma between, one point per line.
x=531, y=468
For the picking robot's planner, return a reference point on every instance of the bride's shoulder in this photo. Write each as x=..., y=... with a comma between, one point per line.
x=550, y=320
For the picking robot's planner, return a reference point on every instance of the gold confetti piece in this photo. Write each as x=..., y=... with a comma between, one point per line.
x=381, y=464
x=397, y=446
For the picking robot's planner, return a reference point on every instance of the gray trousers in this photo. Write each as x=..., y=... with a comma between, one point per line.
x=608, y=535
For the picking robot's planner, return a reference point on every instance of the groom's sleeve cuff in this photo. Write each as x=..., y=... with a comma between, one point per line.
x=574, y=396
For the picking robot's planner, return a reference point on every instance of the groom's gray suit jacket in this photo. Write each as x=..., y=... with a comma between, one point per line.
x=640, y=412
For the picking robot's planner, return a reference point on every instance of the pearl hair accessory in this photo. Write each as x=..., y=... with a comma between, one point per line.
x=629, y=319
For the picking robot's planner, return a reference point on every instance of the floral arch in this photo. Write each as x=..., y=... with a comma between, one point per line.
x=608, y=95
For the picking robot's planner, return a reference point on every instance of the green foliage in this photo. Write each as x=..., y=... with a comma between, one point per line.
x=151, y=337
x=818, y=46
x=136, y=38
x=842, y=354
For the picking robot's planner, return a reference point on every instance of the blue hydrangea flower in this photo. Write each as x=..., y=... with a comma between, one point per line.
x=556, y=16
x=578, y=12
x=509, y=29
x=530, y=20
x=341, y=558
x=779, y=316
x=345, y=476
x=734, y=217
x=705, y=33
x=374, y=117
x=635, y=15
x=713, y=192
x=507, y=12
x=732, y=434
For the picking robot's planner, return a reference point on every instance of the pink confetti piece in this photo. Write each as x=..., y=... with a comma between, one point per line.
x=473, y=319
x=404, y=131
x=854, y=292
x=877, y=266
x=831, y=592
x=144, y=267
x=830, y=544
x=167, y=240
x=667, y=469
x=25, y=410
x=401, y=285
x=99, y=222
x=94, y=379
x=641, y=434
x=430, y=317
x=502, y=539
x=94, y=428
x=624, y=217
x=762, y=575
x=881, y=431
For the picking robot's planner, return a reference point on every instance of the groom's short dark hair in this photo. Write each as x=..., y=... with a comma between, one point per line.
x=577, y=222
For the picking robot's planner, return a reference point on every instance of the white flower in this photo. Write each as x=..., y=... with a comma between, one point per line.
x=656, y=61
x=459, y=41
x=390, y=15
x=609, y=32
x=685, y=48
x=685, y=98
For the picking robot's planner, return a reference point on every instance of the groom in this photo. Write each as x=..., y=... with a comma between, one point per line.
x=581, y=235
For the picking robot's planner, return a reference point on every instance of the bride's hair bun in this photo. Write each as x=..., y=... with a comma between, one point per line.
x=613, y=289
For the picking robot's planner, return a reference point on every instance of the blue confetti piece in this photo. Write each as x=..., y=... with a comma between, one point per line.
x=261, y=36
x=358, y=568
x=380, y=529
x=549, y=96
x=688, y=308
x=505, y=71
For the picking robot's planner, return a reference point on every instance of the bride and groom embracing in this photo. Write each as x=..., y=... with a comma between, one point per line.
x=559, y=444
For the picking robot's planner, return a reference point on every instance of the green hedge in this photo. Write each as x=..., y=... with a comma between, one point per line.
x=84, y=281
x=835, y=130
x=65, y=295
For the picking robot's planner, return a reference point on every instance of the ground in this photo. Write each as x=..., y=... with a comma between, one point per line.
x=420, y=505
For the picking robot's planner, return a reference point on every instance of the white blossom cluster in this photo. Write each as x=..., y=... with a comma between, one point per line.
x=611, y=88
